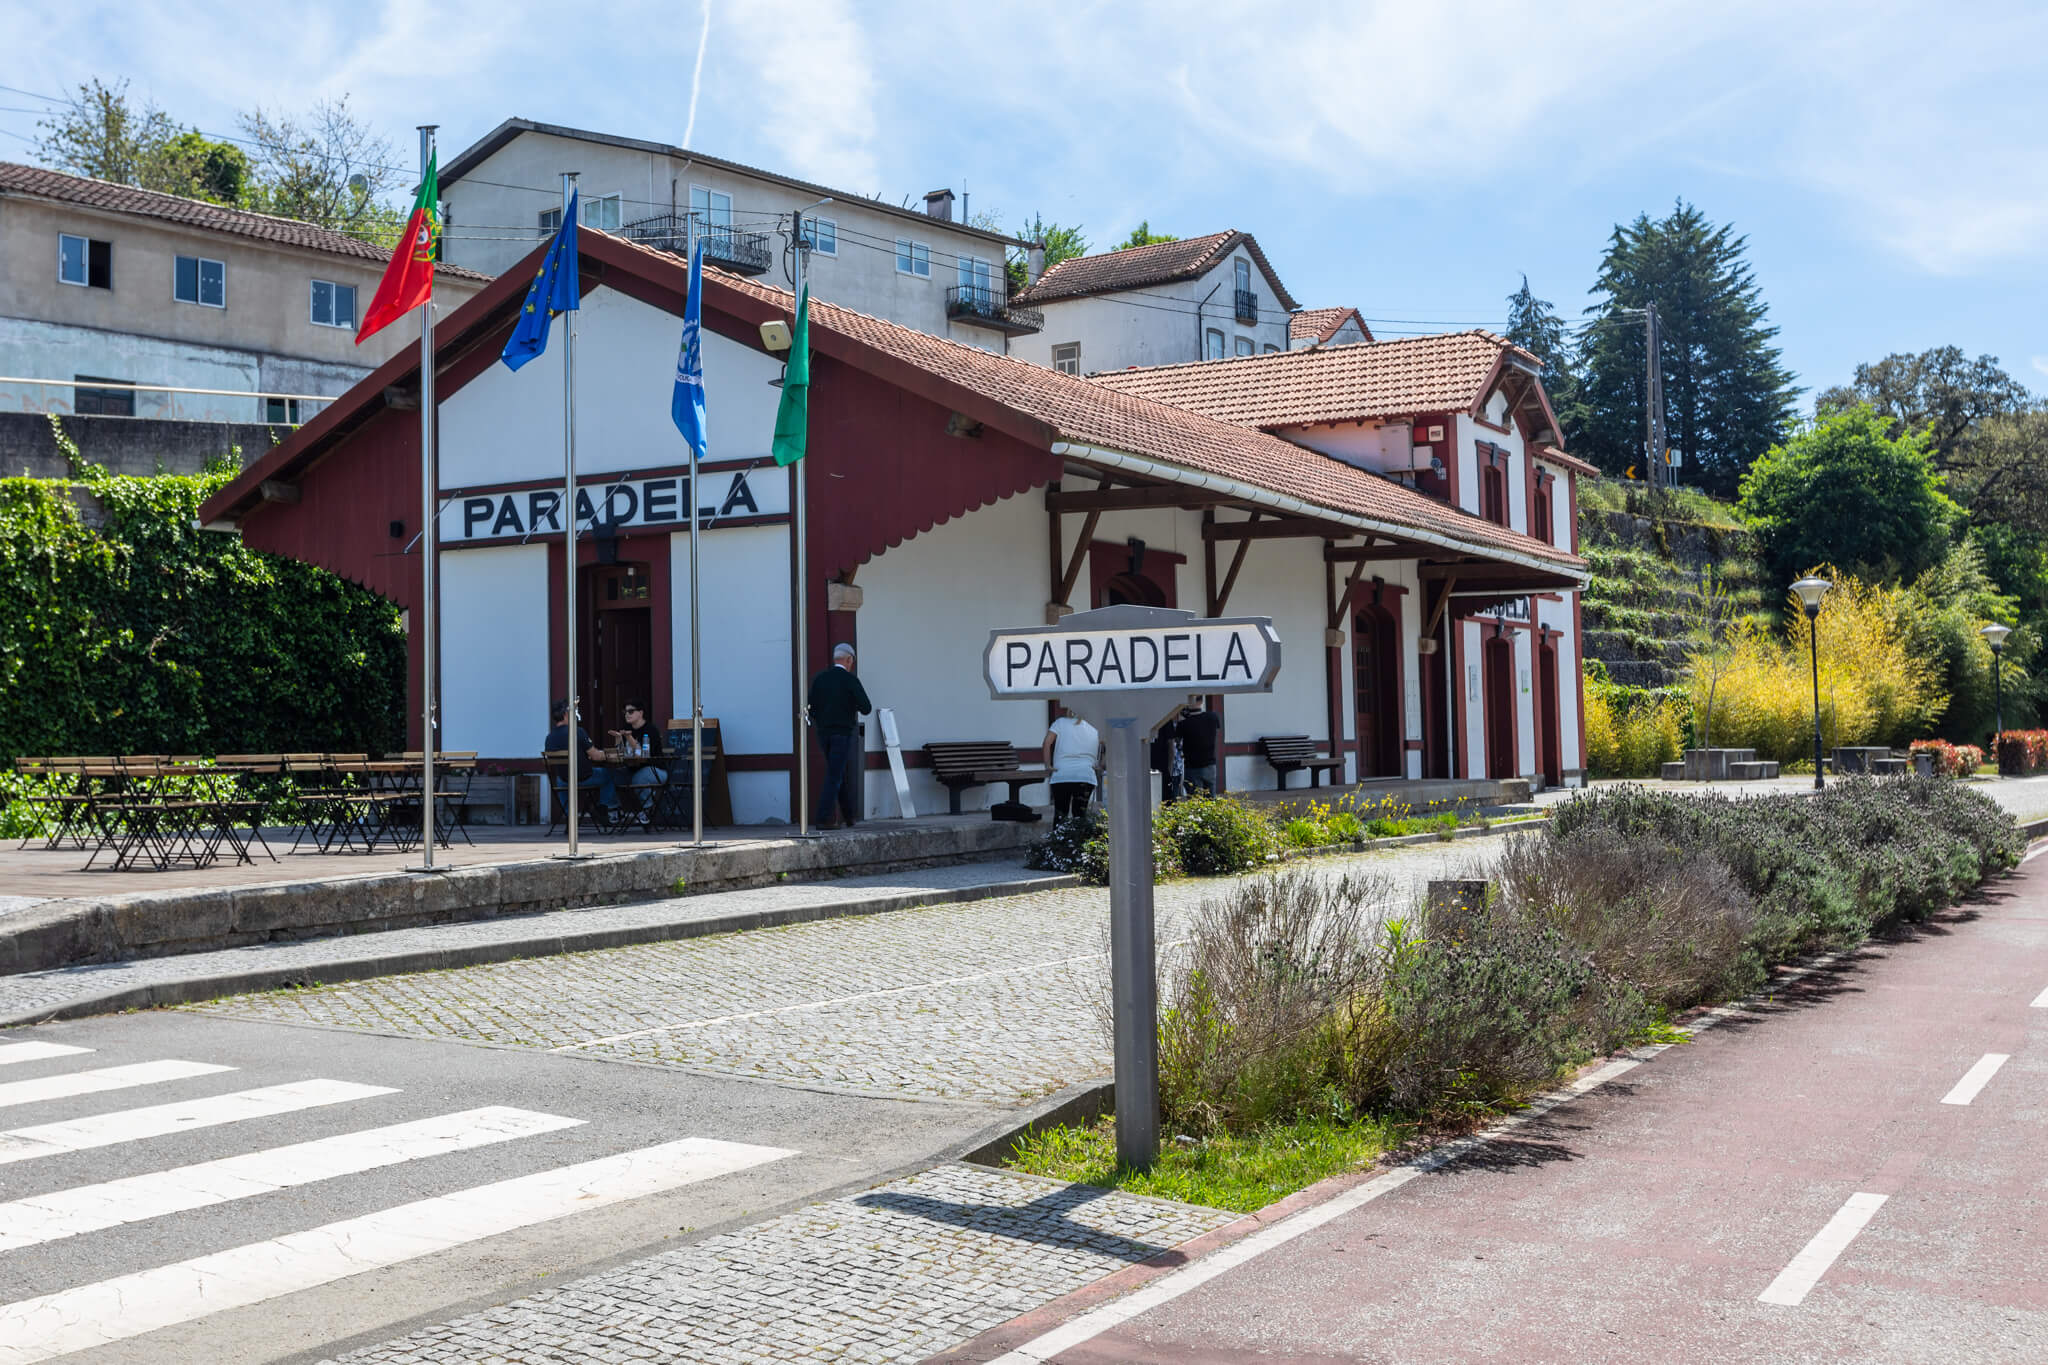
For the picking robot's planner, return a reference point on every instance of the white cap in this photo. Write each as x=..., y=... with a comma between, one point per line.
x=842, y=649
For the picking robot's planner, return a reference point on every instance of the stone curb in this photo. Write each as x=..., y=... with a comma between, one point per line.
x=189, y=990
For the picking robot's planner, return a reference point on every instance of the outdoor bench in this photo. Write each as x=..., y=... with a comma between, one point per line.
x=1295, y=753
x=961, y=764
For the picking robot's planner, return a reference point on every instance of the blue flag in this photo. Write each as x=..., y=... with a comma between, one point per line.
x=687, y=407
x=554, y=290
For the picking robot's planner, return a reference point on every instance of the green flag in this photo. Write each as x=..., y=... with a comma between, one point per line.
x=792, y=415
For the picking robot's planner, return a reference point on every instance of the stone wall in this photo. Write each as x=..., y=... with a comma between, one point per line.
x=127, y=445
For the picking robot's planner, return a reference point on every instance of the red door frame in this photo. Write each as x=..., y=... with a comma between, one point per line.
x=1497, y=698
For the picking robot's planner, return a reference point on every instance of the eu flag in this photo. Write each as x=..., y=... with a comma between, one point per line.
x=554, y=290
x=687, y=405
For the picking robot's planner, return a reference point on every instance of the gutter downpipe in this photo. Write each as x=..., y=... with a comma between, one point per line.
x=1281, y=502
x=1200, y=336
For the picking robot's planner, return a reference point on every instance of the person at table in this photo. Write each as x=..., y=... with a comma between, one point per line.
x=1071, y=748
x=583, y=758
x=837, y=702
x=641, y=738
x=1199, y=729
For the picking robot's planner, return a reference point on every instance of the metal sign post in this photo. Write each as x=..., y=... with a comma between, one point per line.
x=1124, y=670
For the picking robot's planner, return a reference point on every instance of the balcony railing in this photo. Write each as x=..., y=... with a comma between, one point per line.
x=1247, y=306
x=743, y=253
x=987, y=306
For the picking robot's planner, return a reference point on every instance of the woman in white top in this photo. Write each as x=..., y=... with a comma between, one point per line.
x=1071, y=745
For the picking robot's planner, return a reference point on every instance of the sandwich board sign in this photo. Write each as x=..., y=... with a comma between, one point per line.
x=1124, y=670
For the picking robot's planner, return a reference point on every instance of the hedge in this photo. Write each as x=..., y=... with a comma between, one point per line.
x=147, y=635
x=2022, y=753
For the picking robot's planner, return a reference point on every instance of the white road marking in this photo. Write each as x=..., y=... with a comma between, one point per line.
x=1976, y=1078
x=106, y=1078
x=90, y=1208
x=130, y=1305
x=1797, y=1279
x=2041, y=1001
x=129, y=1125
x=2035, y=854
x=36, y=1052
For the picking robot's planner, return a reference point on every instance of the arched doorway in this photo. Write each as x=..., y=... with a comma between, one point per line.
x=1130, y=588
x=1376, y=689
x=1497, y=660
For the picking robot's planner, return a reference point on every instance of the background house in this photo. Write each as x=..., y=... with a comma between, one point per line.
x=1204, y=298
x=1326, y=327
x=921, y=267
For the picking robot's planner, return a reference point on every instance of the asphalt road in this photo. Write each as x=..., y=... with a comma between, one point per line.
x=1850, y=1171
x=833, y=1141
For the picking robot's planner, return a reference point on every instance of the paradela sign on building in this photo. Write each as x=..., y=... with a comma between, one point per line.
x=660, y=501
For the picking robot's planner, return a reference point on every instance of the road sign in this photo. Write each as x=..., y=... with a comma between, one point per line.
x=1124, y=670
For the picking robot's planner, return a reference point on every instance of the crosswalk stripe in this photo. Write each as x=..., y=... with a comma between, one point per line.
x=36, y=1051
x=106, y=1078
x=130, y=1305
x=90, y=1208
x=130, y=1125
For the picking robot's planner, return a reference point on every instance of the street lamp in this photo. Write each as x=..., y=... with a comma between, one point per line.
x=1994, y=635
x=1810, y=591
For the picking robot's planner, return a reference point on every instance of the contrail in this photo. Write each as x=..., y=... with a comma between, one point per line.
x=697, y=76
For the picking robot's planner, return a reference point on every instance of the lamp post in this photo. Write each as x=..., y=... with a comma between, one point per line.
x=1994, y=635
x=1810, y=590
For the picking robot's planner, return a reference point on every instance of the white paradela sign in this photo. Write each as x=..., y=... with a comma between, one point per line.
x=1184, y=655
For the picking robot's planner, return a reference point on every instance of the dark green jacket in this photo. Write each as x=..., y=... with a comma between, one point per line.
x=838, y=701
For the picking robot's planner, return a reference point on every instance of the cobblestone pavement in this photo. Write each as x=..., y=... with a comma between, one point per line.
x=992, y=1001
x=30, y=991
x=895, y=1273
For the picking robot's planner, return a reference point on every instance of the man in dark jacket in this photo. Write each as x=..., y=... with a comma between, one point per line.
x=837, y=702
x=1199, y=729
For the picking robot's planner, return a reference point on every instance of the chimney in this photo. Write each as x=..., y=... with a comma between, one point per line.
x=1034, y=262
x=939, y=204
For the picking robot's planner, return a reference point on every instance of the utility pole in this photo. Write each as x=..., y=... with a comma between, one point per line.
x=1653, y=398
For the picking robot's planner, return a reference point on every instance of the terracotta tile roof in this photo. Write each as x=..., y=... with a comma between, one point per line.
x=1320, y=324
x=39, y=183
x=1161, y=263
x=1337, y=384
x=1084, y=412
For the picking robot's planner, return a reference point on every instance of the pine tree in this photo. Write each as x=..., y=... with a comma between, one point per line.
x=1533, y=325
x=1726, y=397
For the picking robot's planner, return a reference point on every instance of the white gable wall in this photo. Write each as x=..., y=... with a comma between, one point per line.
x=1156, y=325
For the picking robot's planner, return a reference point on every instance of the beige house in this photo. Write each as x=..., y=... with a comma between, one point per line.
x=109, y=283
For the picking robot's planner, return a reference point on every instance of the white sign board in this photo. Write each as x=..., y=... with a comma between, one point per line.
x=624, y=503
x=1194, y=656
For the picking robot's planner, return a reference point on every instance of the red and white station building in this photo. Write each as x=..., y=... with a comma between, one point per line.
x=1399, y=509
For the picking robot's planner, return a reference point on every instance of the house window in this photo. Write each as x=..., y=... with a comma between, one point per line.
x=711, y=209
x=822, y=236
x=601, y=212
x=194, y=279
x=1271, y=348
x=334, y=305
x=913, y=258
x=102, y=402
x=1246, y=346
x=1066, y=357
x=977, y=280
x=281, y=411
x=1493, y=486
x=83, y=261
x=1212, y=344
x=550, y=222
x=1244, y=276
x=1539, y=513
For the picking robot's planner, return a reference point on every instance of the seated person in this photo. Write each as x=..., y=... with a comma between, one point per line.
x=582, y=755
x=640, y=737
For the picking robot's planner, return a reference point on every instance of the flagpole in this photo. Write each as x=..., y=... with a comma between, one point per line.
x=429, y=517
x=696, y=641
x=576, y=759
x=803, y=596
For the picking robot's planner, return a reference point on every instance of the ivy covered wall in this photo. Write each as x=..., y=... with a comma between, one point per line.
x=146, y=635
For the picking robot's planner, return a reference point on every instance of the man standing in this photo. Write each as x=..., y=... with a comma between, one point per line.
x=837, y=702
x=1199, y=729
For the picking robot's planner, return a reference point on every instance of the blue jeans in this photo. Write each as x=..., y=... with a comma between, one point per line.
x=600, y=782
x=842, y=778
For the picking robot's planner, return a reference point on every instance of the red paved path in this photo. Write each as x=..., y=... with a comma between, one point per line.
x=1641, y=1222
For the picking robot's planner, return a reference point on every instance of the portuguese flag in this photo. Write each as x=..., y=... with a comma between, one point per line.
x=409, y=279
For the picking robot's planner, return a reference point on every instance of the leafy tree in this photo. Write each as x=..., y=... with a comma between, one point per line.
x=1942, y=614
x=1939, y=393
x=1533, y=325
x=1844, y=491
x=1061, y=242
x=1143, y=235
x=1726, y=396
x=326, y=168
x=103, y=135
x=2001, y=470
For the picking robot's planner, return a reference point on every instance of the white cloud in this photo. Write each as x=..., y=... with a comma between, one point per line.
x=806, y=80
x=2040, y=363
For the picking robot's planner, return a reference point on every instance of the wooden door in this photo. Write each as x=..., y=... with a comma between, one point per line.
x=1376, y=688
x=1548, y=721
x=1498, y=665
x=618, y=641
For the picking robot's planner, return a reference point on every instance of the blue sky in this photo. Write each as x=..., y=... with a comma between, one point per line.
x=1885, y=160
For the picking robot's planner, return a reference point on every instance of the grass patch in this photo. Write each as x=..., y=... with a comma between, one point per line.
x=1223, y=1171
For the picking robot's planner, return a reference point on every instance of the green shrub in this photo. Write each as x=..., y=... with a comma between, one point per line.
x=1215, y=835
x=1080, y=845
x=1303, y=832
x=1345, y=828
